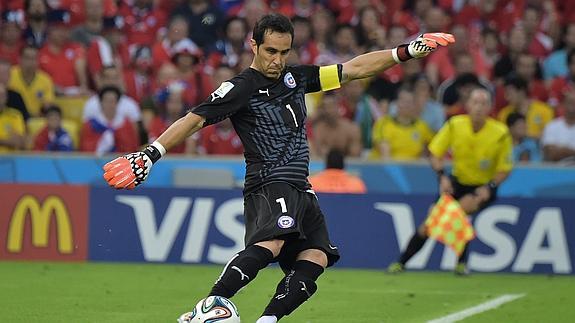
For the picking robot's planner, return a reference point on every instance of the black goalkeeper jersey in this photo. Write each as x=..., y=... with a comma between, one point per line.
x=269, y=116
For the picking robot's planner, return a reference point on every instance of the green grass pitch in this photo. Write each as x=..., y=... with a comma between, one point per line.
x=114, y=293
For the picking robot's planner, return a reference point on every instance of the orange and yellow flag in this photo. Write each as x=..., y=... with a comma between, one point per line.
x=448, y=224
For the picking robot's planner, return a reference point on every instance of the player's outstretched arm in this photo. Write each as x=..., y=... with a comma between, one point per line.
x=372, y=63
x=129, y=171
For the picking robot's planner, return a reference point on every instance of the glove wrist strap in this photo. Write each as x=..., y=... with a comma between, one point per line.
x=155, y=151
x=401, y=53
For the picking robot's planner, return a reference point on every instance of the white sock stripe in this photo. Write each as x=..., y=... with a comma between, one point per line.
x=226, y=267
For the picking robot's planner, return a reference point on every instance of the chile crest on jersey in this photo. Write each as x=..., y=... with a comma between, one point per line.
x=289, y=80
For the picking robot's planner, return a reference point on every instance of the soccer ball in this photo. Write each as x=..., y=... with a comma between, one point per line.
x=212, y=309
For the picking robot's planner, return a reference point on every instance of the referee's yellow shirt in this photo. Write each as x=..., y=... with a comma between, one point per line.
x=477, y=156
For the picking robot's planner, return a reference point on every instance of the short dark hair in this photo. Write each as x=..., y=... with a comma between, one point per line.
x=518, y=83
x=107, y=89
x=52, y=108
x=513, y=117
x=466, y=79
x=335, y=159
x=272, y=23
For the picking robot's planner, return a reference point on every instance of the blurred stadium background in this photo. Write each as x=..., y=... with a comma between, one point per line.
x=63, y=63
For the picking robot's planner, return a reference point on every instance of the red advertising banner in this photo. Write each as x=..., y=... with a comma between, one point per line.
x=43, y=222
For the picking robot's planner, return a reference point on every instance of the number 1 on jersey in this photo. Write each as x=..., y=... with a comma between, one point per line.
x=292, y=114
x=282, y=203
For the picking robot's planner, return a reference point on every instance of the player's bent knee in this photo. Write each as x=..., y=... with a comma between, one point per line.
x=275, y=246
x=316, y=256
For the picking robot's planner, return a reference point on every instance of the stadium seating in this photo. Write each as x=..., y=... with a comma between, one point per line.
x=72, y=107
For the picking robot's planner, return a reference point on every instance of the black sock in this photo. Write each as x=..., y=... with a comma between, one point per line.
x=464, y=255
x=294, y=289
x=241, y=270
x=415, y=244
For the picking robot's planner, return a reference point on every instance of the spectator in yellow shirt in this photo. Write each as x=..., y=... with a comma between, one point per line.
x=35, y=86
x=537, y=114
x=481, y=148
x=12, y=127
x=403, y=136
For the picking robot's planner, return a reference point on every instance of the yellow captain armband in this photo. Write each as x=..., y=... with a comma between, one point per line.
x=329, y=78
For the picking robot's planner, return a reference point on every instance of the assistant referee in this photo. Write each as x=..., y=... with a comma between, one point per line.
x=481, y=150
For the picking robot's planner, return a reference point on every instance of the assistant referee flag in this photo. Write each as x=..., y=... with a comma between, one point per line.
x=448, y=224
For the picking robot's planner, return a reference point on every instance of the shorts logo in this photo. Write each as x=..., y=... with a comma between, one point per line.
x=285, y=221
x=289, y=80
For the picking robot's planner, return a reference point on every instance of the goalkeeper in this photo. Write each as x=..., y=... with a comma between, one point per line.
x=267, y=108
x=481, y=149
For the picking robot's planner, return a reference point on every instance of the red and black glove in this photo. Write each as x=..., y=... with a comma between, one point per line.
x=421, y=46
x=129, y=171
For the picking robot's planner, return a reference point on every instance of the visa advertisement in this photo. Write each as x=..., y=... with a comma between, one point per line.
x=43, y=222
x=206, y=226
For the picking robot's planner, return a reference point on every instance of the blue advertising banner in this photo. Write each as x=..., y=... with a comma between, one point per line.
x=206, y=226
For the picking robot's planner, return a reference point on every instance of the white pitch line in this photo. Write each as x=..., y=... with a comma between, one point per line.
x=483, y=307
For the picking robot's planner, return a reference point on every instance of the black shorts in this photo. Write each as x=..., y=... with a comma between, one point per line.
x=280, y=211
x=459, y=190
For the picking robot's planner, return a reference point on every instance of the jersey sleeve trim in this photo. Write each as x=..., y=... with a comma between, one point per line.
x=329, y=77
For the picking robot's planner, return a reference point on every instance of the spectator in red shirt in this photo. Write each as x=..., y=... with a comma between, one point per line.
x=171, y=108
x=143, y=22
x=176, y=37
x=303, y=42
x=190, y=69
x=138, y=76
x=109, y=49
x=540, y=44
x=12, y=5
x=440, y=65
x=109, y=132
x=80, y=9
x=220, y=139
x=91, y=27
x=495, y=14
x=10, y=35
x=62, y=59
x=53, y=137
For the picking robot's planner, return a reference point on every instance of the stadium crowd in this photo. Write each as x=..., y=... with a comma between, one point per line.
x=111, y=75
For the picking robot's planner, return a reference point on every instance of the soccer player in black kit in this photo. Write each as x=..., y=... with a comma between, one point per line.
x=266, y=105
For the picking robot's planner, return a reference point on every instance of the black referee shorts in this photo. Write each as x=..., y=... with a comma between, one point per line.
x=459, y=190
x=280, y=211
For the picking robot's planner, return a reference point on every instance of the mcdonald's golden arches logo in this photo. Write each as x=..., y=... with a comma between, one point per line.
x=40, y=215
